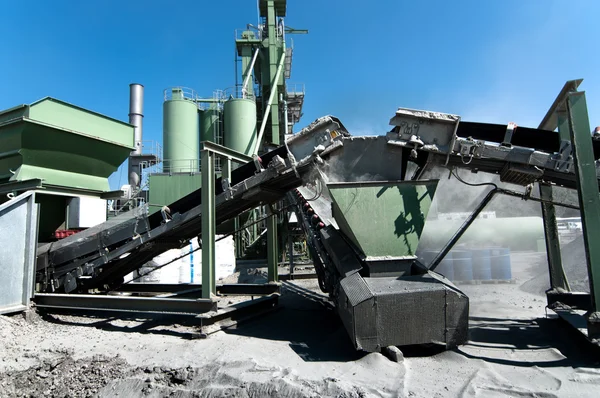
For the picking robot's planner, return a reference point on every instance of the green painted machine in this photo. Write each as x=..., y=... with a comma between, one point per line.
x=36, y=140
x=363, y=224
x=230, y=165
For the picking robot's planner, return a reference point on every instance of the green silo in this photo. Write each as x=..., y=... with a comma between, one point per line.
x=210, y=125
x=240, y=125
x=181, y=152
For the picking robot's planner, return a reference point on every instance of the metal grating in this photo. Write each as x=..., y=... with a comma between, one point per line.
x=356, y=289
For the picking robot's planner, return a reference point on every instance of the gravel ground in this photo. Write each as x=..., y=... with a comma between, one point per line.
x=301, y=350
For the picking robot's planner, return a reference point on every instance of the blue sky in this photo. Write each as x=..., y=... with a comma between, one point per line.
x=494, y=61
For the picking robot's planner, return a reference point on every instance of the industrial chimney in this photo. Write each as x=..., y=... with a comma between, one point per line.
x=136, y=115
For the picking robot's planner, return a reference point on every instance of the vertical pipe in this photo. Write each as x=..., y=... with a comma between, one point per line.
x=285, y=114
x=136, y=115
x=191, y=262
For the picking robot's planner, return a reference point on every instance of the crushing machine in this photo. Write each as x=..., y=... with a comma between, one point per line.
x=362, y=202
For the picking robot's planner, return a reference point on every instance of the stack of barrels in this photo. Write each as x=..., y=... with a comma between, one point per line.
x=479, y=264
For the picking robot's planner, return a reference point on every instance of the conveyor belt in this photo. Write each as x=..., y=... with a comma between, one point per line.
x=105, y=253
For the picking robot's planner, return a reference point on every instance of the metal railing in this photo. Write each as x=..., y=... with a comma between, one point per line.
x=184, y=166
x=237, y=92
x=241, y=35
x=151, y=147
x=295, y=88
x=217, y=100
x=179, y=92
x=181, y=165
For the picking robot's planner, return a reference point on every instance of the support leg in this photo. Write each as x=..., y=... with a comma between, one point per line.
x=589, y=199
x=558, y=278
x=291, y=254
x=272, y=251
x=208, y=224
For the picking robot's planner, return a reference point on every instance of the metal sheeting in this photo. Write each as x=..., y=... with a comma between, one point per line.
x=356, y=289
x=342, y=255
x=384, y=219
x=381, y=312
x=18, y=230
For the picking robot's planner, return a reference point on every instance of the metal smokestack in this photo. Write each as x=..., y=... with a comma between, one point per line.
x=136, y=115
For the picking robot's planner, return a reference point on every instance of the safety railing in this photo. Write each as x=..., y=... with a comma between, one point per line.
x=295, y=88
x=184, y=166
x=151, y=147
x=249, y=33
x=237, y=92
x=180, y=93
x=181, y=165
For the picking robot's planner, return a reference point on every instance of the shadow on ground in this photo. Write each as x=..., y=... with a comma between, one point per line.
x=309, y=322
x=304, y=318
x=527, y=336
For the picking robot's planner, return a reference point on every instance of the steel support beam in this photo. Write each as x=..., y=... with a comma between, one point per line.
x=244, y=289
x=272, y=249
x=558, y=278
x=249, y=289
x=577, y=300
x=241, y=311
x=237, y=238
x=463, y=228
x=589, y=199
x=291, y=253
x=555, y=117
x=208, y=223
x=225, y=152
x=290, y=277
x=151, y=305
x=550, y=121
x=226, y=168
x=274, y=71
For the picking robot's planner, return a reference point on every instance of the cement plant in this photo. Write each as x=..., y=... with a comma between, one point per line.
x=253, y=253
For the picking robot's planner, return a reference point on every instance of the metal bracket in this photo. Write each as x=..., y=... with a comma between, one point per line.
x=467, y=148
x=563, y=160
x=226, y=185
x=277, y=164
x=510, y=130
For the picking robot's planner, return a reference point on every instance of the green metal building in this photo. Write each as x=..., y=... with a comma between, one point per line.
x=62, y=152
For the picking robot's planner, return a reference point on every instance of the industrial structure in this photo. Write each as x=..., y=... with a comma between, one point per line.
x=230, y=165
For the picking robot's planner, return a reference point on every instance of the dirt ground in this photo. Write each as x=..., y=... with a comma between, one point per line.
x=301, y=350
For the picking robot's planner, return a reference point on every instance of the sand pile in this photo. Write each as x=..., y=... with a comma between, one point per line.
x=231, y=379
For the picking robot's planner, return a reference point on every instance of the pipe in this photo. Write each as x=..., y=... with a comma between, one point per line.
x=269, y=103
x=285, y=114
x=250, y=69
x=136, y=116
